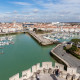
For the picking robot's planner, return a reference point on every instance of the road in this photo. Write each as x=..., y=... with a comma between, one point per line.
x=73, y=61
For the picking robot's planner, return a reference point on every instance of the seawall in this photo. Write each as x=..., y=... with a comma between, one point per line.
x=59, y=59
x=40, y=39
x=65, y=58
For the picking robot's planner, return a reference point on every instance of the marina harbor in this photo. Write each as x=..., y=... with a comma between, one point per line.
x=39, y=39
x=24, y=53
x=72, y=64
x=22, y=43
x=61, y=37
x=6, y=40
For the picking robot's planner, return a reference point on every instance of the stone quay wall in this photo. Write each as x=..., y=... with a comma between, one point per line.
x=70, y=69
x=29, y=73
x=59, y=58
x=40, y=39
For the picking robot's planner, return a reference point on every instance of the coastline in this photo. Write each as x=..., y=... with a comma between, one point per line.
x=53, y=54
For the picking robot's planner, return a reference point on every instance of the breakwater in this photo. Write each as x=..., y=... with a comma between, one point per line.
x=47, y=68
x=39, y=38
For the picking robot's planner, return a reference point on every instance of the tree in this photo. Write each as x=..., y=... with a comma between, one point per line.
x=75, y=41
x=73, y=48
x=35, y=29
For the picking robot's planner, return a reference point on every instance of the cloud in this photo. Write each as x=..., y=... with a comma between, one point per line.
x=36, y=10
x=46, y=10
x=7, y=12
x=15, y=12
x=21, y=3
x=10, y=13
x=25, y=12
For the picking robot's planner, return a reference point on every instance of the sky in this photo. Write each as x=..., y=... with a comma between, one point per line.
x=40, y=10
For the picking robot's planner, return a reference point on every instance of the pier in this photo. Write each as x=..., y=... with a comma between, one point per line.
x=39, y=38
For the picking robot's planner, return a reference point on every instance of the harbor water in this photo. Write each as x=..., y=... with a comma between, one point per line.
x=23, y=54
